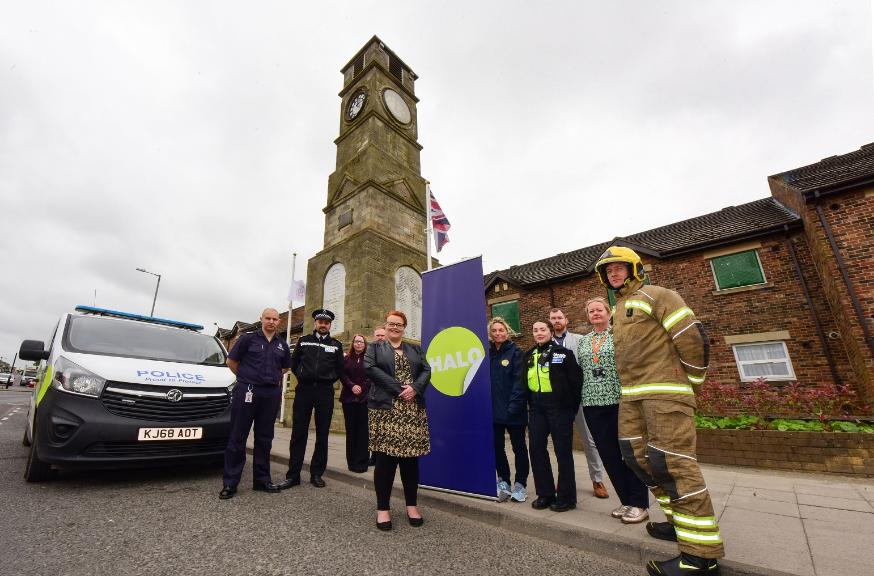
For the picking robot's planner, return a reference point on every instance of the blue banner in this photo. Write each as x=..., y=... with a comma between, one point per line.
x=459, y=401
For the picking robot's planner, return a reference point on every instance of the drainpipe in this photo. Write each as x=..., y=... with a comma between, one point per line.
x=842, y=266
x=819, y=331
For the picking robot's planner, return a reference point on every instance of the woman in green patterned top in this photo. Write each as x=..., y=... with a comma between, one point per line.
x=601, y=394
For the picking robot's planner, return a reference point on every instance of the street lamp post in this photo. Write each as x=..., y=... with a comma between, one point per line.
x=158, y=285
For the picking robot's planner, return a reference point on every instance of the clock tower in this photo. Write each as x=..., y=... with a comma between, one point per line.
x=374, y=245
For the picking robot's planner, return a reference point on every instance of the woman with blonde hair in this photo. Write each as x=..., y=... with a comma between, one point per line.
x=601, y=395
x=509, y=416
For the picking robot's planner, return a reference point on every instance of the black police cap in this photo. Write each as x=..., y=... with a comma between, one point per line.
x=323, y=314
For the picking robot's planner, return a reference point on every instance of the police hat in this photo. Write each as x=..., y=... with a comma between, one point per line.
x=323, y=314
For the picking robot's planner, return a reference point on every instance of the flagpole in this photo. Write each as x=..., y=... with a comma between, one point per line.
x=288, y=341
x=429, y=228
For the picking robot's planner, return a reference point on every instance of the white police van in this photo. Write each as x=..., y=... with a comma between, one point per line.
x=122, y=389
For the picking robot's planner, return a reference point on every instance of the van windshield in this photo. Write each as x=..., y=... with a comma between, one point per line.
x=131, y=339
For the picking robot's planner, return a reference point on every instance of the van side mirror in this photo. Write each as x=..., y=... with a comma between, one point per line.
x=33, y=351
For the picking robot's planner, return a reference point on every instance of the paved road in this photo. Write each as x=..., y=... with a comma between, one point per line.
x=170, y=521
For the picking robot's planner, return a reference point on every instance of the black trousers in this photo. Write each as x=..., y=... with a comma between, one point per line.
x=603, y=422
x=520, y=451
x=384, y=478
x=310, y=397
x=355, y=417
x=262, y=411
x=547, y=418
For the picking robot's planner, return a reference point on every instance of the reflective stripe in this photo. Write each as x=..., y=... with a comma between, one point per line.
x=698, y=537
x=664, y=388
x=665, y=505
x=675, y=317
x=695, y=521
x=671, y=453
x=46, y=384
x=695, y=379
x=640, y=305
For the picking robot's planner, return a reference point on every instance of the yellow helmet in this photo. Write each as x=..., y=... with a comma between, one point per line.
x=620, y=254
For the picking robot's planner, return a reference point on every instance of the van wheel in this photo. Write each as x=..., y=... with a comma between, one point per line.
x=36, y=470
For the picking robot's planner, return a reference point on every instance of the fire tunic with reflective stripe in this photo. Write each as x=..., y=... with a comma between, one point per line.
x=661, y=348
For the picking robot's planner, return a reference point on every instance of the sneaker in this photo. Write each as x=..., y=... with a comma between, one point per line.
x=635, y=515
x=620, y=512
x=683, y=565
x=503, y=491
x=520, y=493
x=662, y=531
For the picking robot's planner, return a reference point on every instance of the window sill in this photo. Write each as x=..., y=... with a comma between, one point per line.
x=743, y=289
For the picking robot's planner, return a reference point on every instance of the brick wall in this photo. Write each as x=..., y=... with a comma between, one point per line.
x=778, y=306
x=833, y=452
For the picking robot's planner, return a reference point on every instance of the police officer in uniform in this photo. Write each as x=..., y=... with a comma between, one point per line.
x=554, y=382
x=317, y=362
x=662, y=351
x=259, y=359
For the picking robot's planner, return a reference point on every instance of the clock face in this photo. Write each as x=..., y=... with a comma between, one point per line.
x=356, y=104
x=396, y=106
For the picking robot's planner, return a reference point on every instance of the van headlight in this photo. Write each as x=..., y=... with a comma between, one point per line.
x=70, y=377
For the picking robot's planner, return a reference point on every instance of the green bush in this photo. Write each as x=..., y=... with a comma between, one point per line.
x=747, y=422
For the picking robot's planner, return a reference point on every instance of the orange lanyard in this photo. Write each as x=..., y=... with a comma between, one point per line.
x=597, y=346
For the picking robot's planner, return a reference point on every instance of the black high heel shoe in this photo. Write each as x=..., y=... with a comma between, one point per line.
x=415, y=522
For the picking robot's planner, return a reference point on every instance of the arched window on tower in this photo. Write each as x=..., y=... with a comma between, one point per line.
x=334, y=295
x=408, y=299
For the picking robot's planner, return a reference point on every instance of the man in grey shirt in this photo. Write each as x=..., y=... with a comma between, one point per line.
x=596, y=468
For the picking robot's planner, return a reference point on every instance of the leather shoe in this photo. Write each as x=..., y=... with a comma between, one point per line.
x=268, y=487
x=384, y=526
x=227, y=492
x=599, y=490
x=560, y=506
x=288, y=483
x=317, y=482
x=542, y=503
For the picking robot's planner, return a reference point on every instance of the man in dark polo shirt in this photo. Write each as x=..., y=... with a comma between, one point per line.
x=259, y=359
x=317, y=363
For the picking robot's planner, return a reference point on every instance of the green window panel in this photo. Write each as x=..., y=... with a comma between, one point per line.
x=736, y=270
x=509, y=311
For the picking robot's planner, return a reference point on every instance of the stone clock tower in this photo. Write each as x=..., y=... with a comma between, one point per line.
x=374, y=250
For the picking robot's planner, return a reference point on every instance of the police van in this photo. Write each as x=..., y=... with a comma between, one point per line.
x=123, y=389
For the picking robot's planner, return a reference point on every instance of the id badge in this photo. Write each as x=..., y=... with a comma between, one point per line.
x=249, y=394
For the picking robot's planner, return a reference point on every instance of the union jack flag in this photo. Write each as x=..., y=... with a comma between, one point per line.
x=439, y=222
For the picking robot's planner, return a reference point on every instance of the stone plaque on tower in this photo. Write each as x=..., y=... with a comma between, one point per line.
x=374, y=246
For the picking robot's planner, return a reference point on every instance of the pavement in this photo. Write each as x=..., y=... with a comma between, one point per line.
x=773, y=522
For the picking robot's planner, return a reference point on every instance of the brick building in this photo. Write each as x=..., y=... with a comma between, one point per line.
x=783, y=285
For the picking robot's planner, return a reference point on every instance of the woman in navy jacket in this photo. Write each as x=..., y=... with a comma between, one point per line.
x=508, y=410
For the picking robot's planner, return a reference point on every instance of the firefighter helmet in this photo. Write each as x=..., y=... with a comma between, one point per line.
x=620, y=254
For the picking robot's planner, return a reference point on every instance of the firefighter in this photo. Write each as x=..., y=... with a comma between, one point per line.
x=661, y=353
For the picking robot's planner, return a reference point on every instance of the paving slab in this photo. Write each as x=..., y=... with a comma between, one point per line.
x=837, y=551
x=859, y=504
x=763, y=505
x=769, y=540
x=766, y=494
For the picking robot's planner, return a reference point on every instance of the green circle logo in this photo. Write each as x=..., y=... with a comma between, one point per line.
x=455, y=355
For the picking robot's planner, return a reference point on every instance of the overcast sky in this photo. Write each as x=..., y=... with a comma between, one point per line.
x=195, y=138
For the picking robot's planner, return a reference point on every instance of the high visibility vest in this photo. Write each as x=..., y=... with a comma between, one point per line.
x=538, y=375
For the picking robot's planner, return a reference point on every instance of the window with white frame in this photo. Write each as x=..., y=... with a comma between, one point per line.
x=737, y=270
x=769, y=360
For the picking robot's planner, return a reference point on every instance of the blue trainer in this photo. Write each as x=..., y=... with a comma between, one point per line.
x=503, y=491
x=520, y=493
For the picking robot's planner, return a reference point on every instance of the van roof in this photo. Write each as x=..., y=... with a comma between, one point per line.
x=128, y=316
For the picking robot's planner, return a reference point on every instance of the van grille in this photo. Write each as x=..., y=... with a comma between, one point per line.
x=151, y=403
x=154, y=449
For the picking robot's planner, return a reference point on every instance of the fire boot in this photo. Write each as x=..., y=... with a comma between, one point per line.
x=683, y=565
x=662, y=531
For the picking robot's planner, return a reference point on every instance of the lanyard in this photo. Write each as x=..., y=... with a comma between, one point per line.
x=596, y=345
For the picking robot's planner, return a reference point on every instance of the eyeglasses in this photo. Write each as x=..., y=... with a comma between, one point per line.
x=394, y=325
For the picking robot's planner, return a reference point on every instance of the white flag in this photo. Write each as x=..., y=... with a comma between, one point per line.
x=297, y=292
